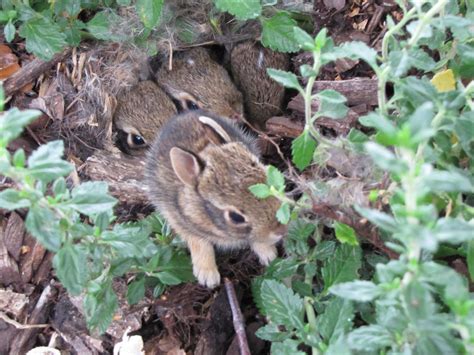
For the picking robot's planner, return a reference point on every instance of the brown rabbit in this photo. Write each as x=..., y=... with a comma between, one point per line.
x=139, y=115
x=263, y=96
x=199, y=171
x=196, y=81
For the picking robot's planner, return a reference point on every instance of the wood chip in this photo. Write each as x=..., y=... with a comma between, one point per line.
x=9, y=272
x=14, y=233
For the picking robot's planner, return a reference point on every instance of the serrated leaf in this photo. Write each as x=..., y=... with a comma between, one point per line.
x=91, y=198
x=100, y=304
x=281, y=304
x=149, y=11
x=287, y=347
x=44, y=226
x=402, y=61
x=345, y=234
x=342, y=266
x=356, y=49
x=260, y=190
x=277, y=33
x=14, y=121
x=283, y=214
x=275, y=178
x=453, y=230
x=444, y=81
x=271, y=332
x=336, y=319
x=46, y=163
x=43, y=37
x=302, y=150
x=136, y=290
x=280, y=269
x=370, y=338
x=70, y=263
x=419, y=302
x=11, y=200
x=70, y=7
x=100, y=26
x=287, y=79
x=305, y=41
x=241, y=9
x=361, y=291
x=331, y=104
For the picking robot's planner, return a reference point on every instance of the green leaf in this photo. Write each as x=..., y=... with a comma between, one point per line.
x=380, y=219
x=302, y=150
x=331, y=104
x=278, y=33
x=385, y=159
x=275, y=178
x=14, y=121
x=136, y=290
x=402, y=61
x=285, y=78
x=178, y=267
x=241, y=9
x=287, y=347
x=44, y=37
x=283, y=214
x=9, y=31
x=91, y=198
x=70, y=263
x=149, y=11
x=463, y=127
x=281, y=304
x=370, y=338
x=321, y=38
x=70, y=7
x=271, y=332
x=297, y=240
x=345, y=234
x=305, y=41
x=129, y=241
x=453, y=230
x=324, y=250
x=336, y=319
x=342, y=266
x=124, y=2
x=447, y=181
x=19, y=158
x=418, y=300
x=42, y=224
x=361, y=291
x=168, y=278
x=100, y=304
x=11, y=200
x=379, y=122
x=280, y=269
x=356, y=49
x=260, y=190
x=46, y=163
x=101, y=26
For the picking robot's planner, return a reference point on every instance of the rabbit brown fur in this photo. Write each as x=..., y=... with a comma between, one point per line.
x=263, y=96
x=199, y=171
x=139, y=115
x=197, y=81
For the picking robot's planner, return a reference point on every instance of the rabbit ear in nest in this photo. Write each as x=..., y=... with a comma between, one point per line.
x=185, y=165
x=214, y=131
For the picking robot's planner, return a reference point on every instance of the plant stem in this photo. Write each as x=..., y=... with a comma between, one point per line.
x=424, y=20
x=310, y=314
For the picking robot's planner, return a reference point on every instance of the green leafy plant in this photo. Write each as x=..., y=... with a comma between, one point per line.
x=49, y=26
x=75, y=223
x=416, y=304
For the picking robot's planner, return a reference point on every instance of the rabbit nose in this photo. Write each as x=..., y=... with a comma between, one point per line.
x=236, y=116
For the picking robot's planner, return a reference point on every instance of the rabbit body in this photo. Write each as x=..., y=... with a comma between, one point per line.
x=263, y=96
x=199, y=171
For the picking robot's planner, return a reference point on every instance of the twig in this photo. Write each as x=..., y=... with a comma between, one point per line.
x=17, y=325
x=237, y=318
x=31, y=72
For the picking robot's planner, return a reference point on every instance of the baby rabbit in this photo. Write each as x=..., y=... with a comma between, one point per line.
x=196, y=81
x=139, y=115
x=198, y=174
x=262, y=95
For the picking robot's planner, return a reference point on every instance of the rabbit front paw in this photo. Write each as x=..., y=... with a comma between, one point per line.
x=208, y=277
x=265, y=252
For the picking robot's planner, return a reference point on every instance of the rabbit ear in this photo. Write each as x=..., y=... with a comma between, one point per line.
x=214, y=130
x=185, y=166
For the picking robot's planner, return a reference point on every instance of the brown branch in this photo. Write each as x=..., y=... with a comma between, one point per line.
x=31, y=72
x=364, y=229
x=237, y=317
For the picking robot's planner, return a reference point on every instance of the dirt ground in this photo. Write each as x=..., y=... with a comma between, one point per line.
x=35, y=309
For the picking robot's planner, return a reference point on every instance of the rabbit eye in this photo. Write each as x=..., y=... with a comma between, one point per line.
x=191, y=105
x=138, y=140
x=235, y=218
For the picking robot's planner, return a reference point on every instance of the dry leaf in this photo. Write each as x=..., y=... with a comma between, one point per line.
x=444, y=81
